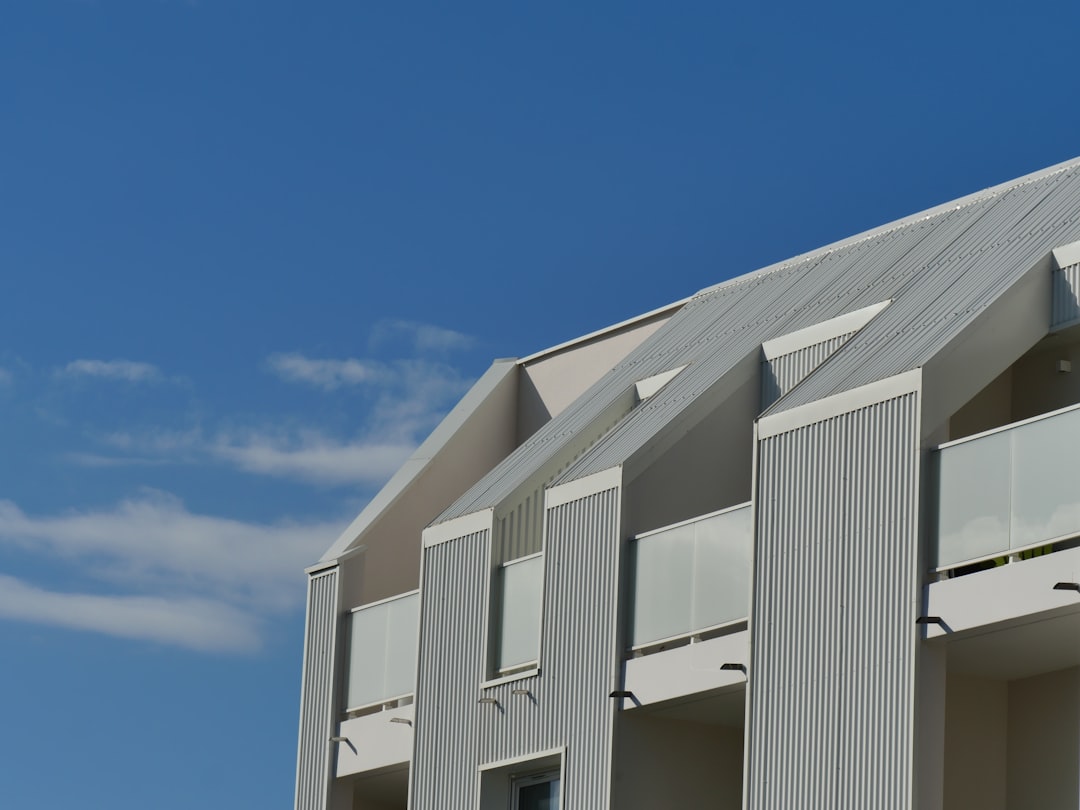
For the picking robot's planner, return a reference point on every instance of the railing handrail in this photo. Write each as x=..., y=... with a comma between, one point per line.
x=693, y=520
x=1003, y=428
x=712, y=629
x=379, y=703
x=387, y=600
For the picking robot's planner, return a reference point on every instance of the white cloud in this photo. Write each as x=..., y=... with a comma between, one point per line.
x=214, y=580
x=198, y=624
x=313, y=457
x=324, y=373
x=124, y=370
x=97, y=460
x=423, y=337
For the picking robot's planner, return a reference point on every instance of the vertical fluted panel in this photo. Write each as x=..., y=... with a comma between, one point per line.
x=452, y=645
x=833, y=635
x=565, y=706
x=317, y=691
x=520, y=532
x=780, y=374
x=568, y=703
x=1066, y=296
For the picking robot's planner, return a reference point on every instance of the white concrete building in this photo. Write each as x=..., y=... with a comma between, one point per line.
x=807, y=539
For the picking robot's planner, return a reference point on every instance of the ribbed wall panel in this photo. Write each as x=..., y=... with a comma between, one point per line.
x=567, y=705
x=452, y=647
x=833, y=635
x=317, y=692
x=520, y=532
x=1066, y=296
x=780, y=374
x=519, y=525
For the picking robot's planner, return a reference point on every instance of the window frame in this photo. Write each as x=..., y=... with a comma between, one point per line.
x=520, y=781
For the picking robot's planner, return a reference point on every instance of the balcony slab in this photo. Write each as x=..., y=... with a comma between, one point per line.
x=1015, y=593
x=374, y=742
x=688, y=670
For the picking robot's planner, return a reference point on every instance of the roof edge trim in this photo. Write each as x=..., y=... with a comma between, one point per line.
x=1067, y=255
x=579, y=488
x=400, y=482
x=823, y=330
x=607, y=330
x=896, y=224
x=838, y=404
x=456, y=528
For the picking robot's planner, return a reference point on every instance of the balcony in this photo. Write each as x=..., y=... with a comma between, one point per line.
x=379, y=683
x=1008, y=493
x=689, y=599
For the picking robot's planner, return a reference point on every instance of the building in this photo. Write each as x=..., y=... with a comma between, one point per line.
x=806, y=539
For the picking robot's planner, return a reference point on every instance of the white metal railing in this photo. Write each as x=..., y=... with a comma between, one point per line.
x=382, y=639
x=1008, y=490
x=691, y=577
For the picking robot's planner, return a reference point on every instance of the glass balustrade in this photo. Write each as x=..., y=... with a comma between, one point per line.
x=382, y=640
x=691, y=577
x=1008, y=490
x=521, y=589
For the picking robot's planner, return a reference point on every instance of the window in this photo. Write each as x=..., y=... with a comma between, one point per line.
x=535, y=792
x=519, y=594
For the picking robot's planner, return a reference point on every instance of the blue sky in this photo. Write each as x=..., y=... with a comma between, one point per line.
x=251, y=251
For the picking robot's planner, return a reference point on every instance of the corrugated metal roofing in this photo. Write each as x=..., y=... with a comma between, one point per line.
x=941, y=268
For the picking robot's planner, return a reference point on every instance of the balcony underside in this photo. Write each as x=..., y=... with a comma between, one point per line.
x=667, y=679
x=375, y=742
x=1009, y=621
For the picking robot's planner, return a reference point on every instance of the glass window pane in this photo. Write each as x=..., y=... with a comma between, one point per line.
x=520, y=597
x=1046, y=498
x=539, y=796
x=973, y=503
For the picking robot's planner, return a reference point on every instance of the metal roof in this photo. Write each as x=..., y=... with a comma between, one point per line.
x=941, y=267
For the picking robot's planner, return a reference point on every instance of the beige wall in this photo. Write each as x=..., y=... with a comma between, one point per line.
x=707, y=469
x=663, y=763
x=976, y=720
x=1013, y=745
x=1031, y=386
x=1038, y=386
x=1044, y=747
x=552, y=381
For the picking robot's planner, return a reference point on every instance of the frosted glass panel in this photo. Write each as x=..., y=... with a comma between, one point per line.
x=973, y=508
x=382, y=651
x=521, y=593
x=722, y=569
x=1009, y=490
x=691, y=577
x=1046, y=487
x=662, y=593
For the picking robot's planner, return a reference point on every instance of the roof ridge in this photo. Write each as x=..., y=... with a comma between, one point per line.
x=891, y=227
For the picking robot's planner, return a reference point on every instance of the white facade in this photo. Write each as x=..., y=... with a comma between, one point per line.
x=809, y=538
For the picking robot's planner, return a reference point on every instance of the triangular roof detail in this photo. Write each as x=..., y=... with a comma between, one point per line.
x=942, y=269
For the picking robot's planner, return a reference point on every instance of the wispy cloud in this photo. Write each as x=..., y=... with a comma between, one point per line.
x=422, y=337
x=214, y=580
x=6, y=377
x=198, y=624
x=324, y=373
x=314, y=457
x=123, y=370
